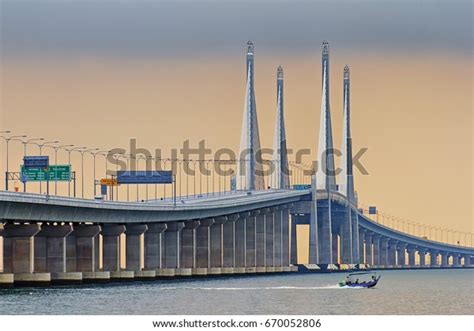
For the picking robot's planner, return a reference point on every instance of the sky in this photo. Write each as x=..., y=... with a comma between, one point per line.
x=98, y=73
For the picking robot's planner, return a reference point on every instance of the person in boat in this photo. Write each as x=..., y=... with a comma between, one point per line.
x=373, y=278
x=348, y=280
x=357, y=281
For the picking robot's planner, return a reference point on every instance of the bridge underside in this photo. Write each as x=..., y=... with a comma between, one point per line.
x=247, y=233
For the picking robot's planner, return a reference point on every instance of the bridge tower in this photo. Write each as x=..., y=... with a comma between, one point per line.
x=280, y=178
x=325, y=173
x=249, y=166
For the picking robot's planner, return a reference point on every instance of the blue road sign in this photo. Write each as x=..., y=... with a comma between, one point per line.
x=103, y=189
x=145, y=177
x=372, y=210
x=300, y=187
x=36, y=161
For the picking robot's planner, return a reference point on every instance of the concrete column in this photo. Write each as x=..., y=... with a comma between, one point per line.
x=368, y=249
x=293, y=240
x=422, y=253
x=456, y=260
x=434, y=259
x=356, y=253
x=188, y=244
x=376, y=249
x=269, y=241
x=314, y=254
x=86, y=247
x=285, y=238
x=111, y=246
x=154, y=246
x=335, y=247
x=229, y=244
x=392, y=253
x=401, y=254
x=203, y=244
x=383, y=251
x=261, y=240
x=444, y=259
x=217, y=249
x=411, y=256
x=250, y=236
x=241, y=242
x=362, y=255
x=467, y=260
x=325, y=224
x=50, y=248
x=134, y=250
x=346, y=238
x=171, y=245
x=277, y=239
x=18, y=248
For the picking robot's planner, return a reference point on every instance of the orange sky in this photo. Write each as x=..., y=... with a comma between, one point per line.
x=413, y=113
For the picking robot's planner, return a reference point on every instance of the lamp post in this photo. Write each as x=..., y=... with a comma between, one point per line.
x=7, y=141
x=94, y=156
x=82, y=167
x=78, y=149
x=25, y=143
x=40, y=146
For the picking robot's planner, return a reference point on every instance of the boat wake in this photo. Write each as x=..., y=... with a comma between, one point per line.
x=196, y=288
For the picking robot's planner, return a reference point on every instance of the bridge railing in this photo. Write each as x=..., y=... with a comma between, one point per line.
x=420, y=230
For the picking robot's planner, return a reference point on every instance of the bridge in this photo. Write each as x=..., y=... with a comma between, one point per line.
x=249, y=229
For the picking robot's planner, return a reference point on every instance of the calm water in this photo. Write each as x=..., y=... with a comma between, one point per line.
x=399, y=292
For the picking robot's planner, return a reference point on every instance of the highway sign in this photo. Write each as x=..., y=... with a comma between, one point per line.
x=36, y=161
x=109, y=182
x=372, y=210
x=300, y=187
x=56, y=173
x=145, y=177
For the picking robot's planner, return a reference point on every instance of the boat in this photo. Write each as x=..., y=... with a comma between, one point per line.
x=360, y=280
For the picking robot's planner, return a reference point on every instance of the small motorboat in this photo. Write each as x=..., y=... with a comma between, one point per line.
x=360, y=280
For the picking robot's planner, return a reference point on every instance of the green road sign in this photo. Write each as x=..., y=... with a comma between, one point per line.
x=56, y=173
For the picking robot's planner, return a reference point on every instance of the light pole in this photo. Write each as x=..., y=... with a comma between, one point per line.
x=7, y=141
x=82, y=167
x=78, y=149
x=25, y=143
x=94, y=155
x=56, y=148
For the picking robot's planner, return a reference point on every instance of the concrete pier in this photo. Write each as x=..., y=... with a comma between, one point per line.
x=260, y=239
x=422, y=253
x=285, y=236
x=444, y=259
x=346, y=238
x=383, y=251
x=401, y=254
x=171, y=245
x=434, y=259
x=335, y=247
x=188, y=244
x=111, y=247
x=325, y=224
x=277, y=240
x=229, y=244
x=368, y=249
x=86, y=239
x=269, y=241
x=241, y=242
x=376, y=249
x=133, y=248
x=456, y=260
x=203, y=250
x=392, y=253
x=216, y=245
x=154, y=246
x=250, y=237
x=293, y=240
x=411, y=256
x=362, y=253
x=50, y=253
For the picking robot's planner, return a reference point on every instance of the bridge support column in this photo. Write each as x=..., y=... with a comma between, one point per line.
x=325, y=222
x=50, y=253
x=217, y=251
x=346, y=238
x=241, y=243
x=384, y=252
x=269, y=241
x=376, y=250
x=277, y=240
x=467, y=261
x=335, y=248
x=444, y=260
x=154, y=247
x=314, y=227
x=229, y=244
x=362, y=252
x=188, y=246
x=171, y=254
x=111, y=250
x=456, y=260
x=368, y=249
x=392, y=253
x=411, y=256
x=134, y=250
x=357, y=254
x=401, y=254
x=293, y=240
x=203, y=249
x=261, y=240
x=285, y=238
x=434, y=259
x=422, y=253
x=250, y=236
x=87, y=252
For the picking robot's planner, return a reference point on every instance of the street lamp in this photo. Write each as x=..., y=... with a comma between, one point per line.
x=26, y=142
x=94, y=155
x=69, y=162
x=82, y=167
x=40, y=146
x=7, y=141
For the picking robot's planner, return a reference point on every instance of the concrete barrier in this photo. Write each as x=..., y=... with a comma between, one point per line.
x=6, y=280
x=95, y=276
x=145, y=274
x=122, y=275
x=29, y=279
x=66, y=277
